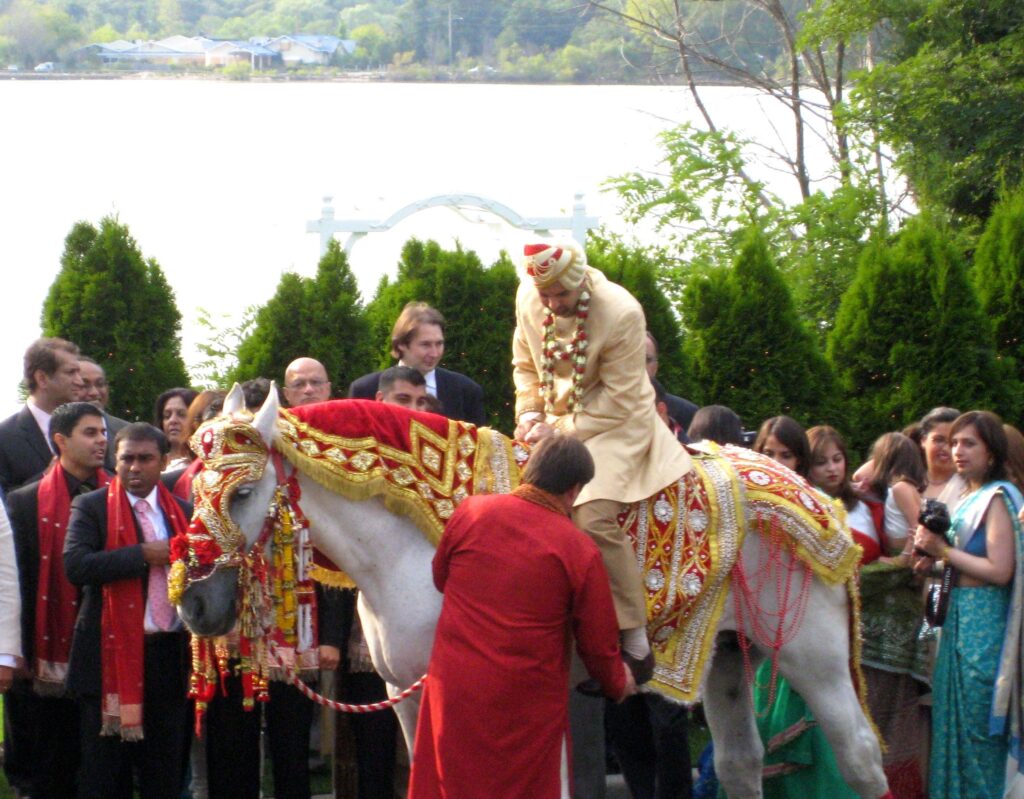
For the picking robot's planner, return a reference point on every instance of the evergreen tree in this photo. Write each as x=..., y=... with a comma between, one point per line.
x=478, y=305
x=999, y=276
x=320, y=317
x=118, y=308
x=910, y=335
x=749, y=349
x=636, y=269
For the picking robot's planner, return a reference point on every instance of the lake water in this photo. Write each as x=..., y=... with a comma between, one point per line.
x=217, y=180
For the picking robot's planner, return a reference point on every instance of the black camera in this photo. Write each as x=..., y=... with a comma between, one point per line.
x=934, y=516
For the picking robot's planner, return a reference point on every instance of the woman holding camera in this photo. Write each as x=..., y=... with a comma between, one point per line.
x=978, y=711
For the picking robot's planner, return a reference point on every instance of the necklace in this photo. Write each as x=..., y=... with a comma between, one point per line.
x=574, y=352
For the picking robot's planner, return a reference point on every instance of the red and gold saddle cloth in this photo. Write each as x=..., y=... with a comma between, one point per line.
x=688, y=538
x=421, y=464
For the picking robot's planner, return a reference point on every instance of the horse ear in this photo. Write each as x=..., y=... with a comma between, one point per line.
x=234, y=401
x=266, y=417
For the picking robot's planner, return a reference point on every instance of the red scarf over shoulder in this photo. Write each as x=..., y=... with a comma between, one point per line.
x=56, y=598
x=124, y=613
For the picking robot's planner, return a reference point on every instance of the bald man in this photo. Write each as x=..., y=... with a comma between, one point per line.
x=305, y=382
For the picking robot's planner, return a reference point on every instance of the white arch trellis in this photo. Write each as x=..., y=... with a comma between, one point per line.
x=578, y=222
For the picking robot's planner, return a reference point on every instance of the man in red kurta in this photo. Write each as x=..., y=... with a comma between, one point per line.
x=519, y=579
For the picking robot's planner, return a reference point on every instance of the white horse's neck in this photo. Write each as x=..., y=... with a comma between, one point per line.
x=390, y=561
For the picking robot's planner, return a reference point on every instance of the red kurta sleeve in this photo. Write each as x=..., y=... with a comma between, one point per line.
x=596, y=628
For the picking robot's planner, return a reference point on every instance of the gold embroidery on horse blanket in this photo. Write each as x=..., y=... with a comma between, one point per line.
x=686, y=567
x=687, y=539
x=426, y=483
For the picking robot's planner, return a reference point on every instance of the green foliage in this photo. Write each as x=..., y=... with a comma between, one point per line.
x=698, y=198
x=749, y=350
x=700, y=201
x=999, y=276
x=637, y=269
x=478, y=305
x=32, y=32
x=320, y=317
x=822, y=262
x=910, y=335
x=118, y=308
x=220, y=347
x=539, y=40
x=237, y=70
x=951, y=100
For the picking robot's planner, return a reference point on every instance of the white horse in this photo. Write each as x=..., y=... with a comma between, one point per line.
x=390, y=560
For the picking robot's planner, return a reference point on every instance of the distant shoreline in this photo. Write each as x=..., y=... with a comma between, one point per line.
x=346, y=77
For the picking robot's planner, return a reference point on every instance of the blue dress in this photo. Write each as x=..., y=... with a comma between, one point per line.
x=967, y=762
x=969, y=751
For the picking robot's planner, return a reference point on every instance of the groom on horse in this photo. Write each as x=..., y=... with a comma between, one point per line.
x=578, y=356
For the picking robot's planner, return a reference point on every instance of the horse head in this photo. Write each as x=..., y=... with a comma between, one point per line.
x=232, y=495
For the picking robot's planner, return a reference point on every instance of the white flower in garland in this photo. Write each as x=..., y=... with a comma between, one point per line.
x=575, y=353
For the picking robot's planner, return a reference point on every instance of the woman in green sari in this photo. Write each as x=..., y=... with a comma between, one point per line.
x=977, y=707
x=798, y=759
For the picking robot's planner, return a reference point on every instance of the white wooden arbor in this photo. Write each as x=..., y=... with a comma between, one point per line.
x=578, y=223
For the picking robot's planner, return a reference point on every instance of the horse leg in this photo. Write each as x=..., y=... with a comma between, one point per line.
x=729, y=708
x=816, y=664
x=408, y=711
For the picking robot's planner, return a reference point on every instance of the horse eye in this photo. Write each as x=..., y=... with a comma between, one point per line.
x=243, y=492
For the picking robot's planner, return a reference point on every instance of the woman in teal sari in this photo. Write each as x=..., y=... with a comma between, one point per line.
x=977, y=705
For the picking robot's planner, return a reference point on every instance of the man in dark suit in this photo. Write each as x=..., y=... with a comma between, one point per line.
x=680, y=410
x=96, y=390
x=39, y=513
x=53, y=377
x=417, y=340
x=117, y=550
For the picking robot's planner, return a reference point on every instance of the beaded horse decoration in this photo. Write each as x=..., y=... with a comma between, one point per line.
x=423, y=468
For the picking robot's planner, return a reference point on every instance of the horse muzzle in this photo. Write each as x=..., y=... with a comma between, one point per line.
x=208, y=607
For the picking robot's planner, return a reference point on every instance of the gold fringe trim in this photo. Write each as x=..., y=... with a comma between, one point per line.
x=856, y=645
x=332, y=578
x=495, y=470
x=401, y=502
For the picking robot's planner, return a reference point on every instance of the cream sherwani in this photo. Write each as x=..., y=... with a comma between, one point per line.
x=635, y=453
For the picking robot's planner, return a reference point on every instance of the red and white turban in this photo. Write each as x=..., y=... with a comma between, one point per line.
x=548, y=263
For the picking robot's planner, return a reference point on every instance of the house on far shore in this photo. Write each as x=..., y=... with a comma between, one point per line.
x=307, y=49
x=260, y=52
x=255, y=55
x=172, y=50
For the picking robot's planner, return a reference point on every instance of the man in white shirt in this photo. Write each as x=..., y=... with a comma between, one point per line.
x=418, y=341
x=52, y=375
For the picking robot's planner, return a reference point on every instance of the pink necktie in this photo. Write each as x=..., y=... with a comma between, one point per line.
x=160, y=609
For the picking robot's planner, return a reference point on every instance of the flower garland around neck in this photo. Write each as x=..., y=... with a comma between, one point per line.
x=575, y=353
